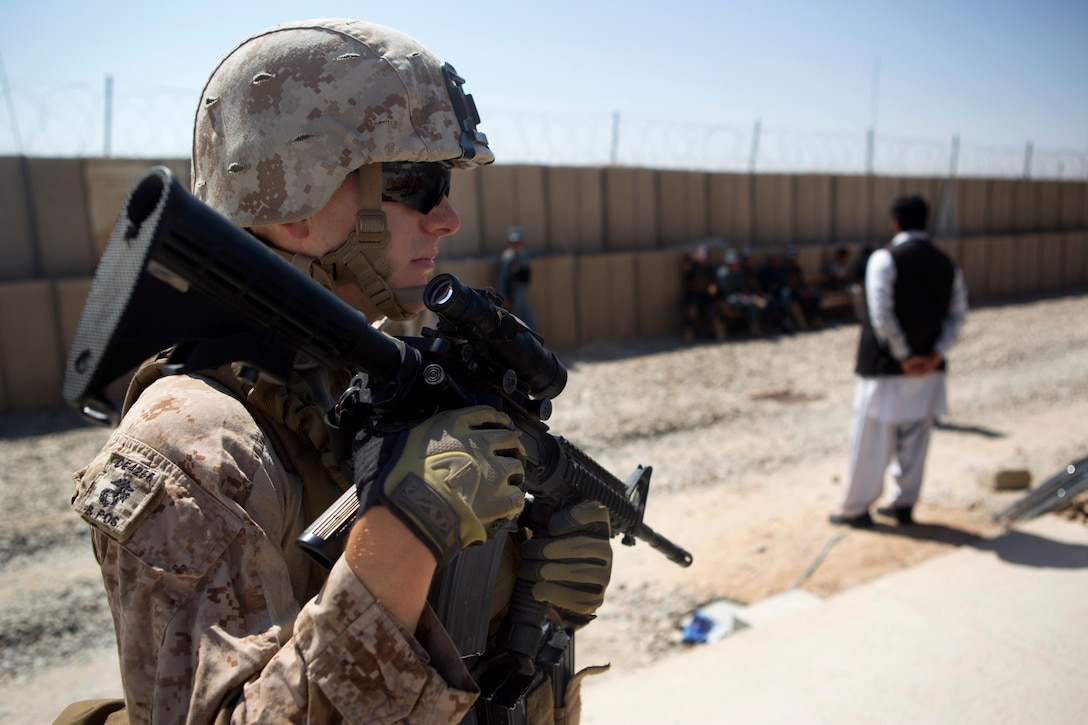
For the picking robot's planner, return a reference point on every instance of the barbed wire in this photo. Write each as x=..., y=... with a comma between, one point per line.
x=76, y=119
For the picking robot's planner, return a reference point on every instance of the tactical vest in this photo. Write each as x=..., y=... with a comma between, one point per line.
x=292, y=421
x=294, y=424
x=288, y=414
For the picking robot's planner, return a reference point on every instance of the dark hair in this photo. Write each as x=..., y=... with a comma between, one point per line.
x=911, y=212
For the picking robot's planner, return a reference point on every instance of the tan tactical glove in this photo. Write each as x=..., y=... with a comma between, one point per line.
x=570, y=561
x=452, y=479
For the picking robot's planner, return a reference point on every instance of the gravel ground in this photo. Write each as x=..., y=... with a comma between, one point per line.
x=747, y=439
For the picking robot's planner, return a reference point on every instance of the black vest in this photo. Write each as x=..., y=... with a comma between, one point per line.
x=924, y=276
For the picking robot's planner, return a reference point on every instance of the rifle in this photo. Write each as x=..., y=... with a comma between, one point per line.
x=178, y=275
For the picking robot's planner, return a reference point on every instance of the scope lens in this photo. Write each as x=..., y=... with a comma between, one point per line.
x=443, y=292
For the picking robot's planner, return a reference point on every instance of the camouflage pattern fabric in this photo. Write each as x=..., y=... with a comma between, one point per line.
x=194, y=522
x=292, y=110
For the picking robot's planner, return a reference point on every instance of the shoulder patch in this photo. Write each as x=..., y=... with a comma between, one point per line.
x=120, y=496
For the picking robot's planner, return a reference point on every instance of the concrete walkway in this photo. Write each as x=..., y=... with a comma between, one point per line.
x=995, y=633
x=991, y=633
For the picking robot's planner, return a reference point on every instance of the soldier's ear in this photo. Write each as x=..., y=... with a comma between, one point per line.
x=285, y=236
x=296, y=230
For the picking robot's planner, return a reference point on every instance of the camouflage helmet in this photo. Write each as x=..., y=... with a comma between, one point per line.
x=292, y=110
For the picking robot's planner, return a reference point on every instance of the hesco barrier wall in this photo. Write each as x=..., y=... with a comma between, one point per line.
x=607, y=243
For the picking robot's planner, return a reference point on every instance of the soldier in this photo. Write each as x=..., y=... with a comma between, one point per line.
x=804, y=298
x=738, y=302
x=700, y=287
x=774, y=286
x=333, y=141
x=513, y=276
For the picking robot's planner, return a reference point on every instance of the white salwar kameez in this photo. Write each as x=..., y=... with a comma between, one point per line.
x=894, y=414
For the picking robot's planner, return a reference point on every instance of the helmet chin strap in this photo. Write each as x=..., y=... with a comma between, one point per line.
x=360, y=260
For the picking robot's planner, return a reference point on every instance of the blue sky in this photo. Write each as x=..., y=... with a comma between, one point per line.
x=998, y=72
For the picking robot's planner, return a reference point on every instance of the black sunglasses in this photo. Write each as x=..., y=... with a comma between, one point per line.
x=418, y=185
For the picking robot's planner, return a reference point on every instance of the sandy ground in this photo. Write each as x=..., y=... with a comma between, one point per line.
x=747, y=439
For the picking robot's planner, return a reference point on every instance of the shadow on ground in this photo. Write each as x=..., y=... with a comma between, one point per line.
x=28, y=424
x=1020, y=547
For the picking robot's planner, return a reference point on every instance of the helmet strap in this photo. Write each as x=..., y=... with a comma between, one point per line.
x=360, y=260
x=365, y=259
x=370, y=231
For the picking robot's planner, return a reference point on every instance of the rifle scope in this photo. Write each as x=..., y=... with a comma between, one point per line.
x=506, y=337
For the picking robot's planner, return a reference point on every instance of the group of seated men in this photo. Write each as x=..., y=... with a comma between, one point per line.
x=773, y=297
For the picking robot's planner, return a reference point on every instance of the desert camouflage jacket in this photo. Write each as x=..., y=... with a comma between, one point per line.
x=219, y=616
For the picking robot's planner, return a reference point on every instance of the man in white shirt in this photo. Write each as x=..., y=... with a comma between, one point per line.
x=917, y=304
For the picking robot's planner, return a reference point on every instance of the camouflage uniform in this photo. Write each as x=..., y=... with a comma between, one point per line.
x=195, y=519
x=199, y=495
x=196, y=502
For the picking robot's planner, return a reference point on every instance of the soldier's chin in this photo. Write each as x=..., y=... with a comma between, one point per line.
x=410, y=299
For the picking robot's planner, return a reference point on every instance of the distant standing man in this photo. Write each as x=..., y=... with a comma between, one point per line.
x=514, y=276
x=917, y=303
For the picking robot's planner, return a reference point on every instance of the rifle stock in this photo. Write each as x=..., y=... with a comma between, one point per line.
x=178, y=275
x=175, y=273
